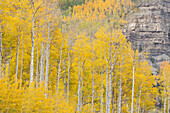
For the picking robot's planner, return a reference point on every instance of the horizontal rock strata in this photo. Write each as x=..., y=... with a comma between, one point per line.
x=149, y=29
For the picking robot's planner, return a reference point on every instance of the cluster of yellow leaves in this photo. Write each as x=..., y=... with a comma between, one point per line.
x=94, y=40
x=16, y=98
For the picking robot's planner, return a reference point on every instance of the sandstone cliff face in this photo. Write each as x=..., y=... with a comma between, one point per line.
x=149, y=29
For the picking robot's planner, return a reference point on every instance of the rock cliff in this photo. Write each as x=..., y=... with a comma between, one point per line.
x=149, y=30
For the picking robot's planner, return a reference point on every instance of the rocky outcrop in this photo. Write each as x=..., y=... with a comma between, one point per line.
x=149, y=29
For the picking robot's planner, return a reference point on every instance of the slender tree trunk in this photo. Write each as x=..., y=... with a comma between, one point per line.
x=128, y=109
x=68, y=81
x=81, y=89
x=139, y=100
x=101, y=91
x=116, y=99
x=93, y=82
x=5, y=63
x=22, y=62
x=110, y=85
x=143, y=110
x=120, y=96
x=47, y=68
x=58, y=72
x=164, y=94
x=17, y=57
x=113, y=100
x=65, y=78
x=107, y=88
x=133, y=83
x=137, y=104
x=37, y=68
x=113, y=93
x=110, y=75
x=32, y=51
x=106, y=83
x=9, y=63
x=101, y=110
x=1, y=53
x=1, y=3
x=168, y=97
x=140, y=97
x=47, y=58
x=78, y=106
x=42, y=63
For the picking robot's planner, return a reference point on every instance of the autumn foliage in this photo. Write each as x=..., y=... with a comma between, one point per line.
x=80, y=62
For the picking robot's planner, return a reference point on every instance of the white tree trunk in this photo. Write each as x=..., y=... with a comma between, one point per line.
x=1, y=53
x=139, y=99
x=47, y=68
x=81, y=85
x=110, y=75
x=164, y=94
x=42, y=63
x=32, y=51
x=9, y=63
x=22, y=61
x=17, y=57
x=68, y=81
x=58, y=72
x=113, y=93
x=137, y=104
x=78, y=106
x=101, y=91
x=1, y=3
x=106, y=83
x=143, y=110
x=110, y=85
x=37, y=68
x=65, y=78
x=168, y=97
x=133, y=83
x=116, y=98
x=120, y=96
x=113, y=100
x=47, y=58
x=93, y=83
x=107, y=88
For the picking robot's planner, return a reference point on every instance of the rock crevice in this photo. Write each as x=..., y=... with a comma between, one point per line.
x=149, y=29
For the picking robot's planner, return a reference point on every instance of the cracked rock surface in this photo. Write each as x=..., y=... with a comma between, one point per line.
x=149, y=30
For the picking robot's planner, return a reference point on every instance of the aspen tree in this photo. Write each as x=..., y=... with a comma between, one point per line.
x=47, y=57
x=9, y=62
x=120, y=89
x=59, y=67
x=168, y=96
x=22, y=60
x=68, y=80
x=106, y=83
x=133, y=82
x=140, y=97
x=93, y=77
x=18, y=43
x=164, y=94
x=37, y=67
x=17, y=55
x=1, y=52
x=32, y=40
x=34, y=11
x=120, y=95
x=42, y=63
x=78, y=105
x=1, y=27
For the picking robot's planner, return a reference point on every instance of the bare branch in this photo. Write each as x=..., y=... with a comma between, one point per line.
x=1, y=2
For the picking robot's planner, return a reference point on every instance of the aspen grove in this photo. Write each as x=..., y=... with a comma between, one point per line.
x=74, y=60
